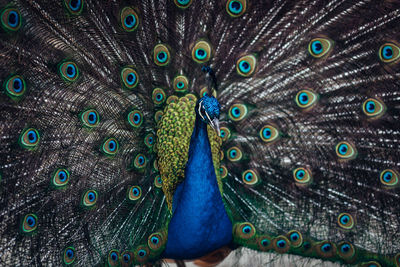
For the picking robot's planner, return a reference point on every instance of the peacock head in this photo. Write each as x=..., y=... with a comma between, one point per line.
x=208, y=109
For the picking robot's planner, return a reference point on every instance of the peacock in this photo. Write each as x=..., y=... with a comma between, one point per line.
x=132, y=132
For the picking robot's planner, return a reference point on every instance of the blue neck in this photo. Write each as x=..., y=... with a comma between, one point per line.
x=199, y=223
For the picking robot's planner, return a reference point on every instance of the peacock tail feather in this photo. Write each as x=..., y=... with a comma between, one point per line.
x=98, y=122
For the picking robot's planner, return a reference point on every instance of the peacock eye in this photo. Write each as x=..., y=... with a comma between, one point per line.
x=135, y=118
x=161, y=55
x=319, y=47
x=183, y=3
x=295, y=237
x=373, y=108
x=250, y=177
x=237, y=112
x=110, y=146
x=234, y=154
x=11, y=19
x=155, y=241
x=89, y=198
x=141, y=254
x=302, y=175
x=201, y=52
x=129, y=77
x=113, y=258
x=224, y=171
x=69, y=255
x=281, y=244
x=29, y=223
x=126, y=257
x=74, y=7
x=90, y=118
x=346, y=250
x=60, y=178
x=236, y=8
x=181, y=83
x=306, y=99
x=269, y=133
x=15, y=86
x=389, y=177
x=30, y=138
x=345, y=221
x=345, y=150
x=140, y=161
x=134, y=193
x=69, y=71
x=129, y=19
x=158, y=181
x=245, y=66
x=326, y=249
x=389, y=52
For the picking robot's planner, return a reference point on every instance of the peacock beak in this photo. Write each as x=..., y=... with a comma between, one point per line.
x=215, y=124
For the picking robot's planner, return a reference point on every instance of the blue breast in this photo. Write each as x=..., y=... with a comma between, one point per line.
x=199, y=223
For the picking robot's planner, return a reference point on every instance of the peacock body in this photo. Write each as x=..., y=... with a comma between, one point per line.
x=134, y=131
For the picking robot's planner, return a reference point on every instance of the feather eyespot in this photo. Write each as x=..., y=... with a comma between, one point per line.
x=135, y=118
x=345, y=150
x=244, y=230
x=201, y=52
x=302, y=175
x=29, y=138
x=149, y=140
x=225, y=133
x=306, y=99
x=90, y=118
x=237, y=112
x=296, y=238
x=236, y=8
x=29, y=223
x=281, y=244
x=326, y=249
x=161, y=55
x=89, y=198
x=69, y=255
x=15, y=86
x=183, y=3
x=181, y=83
x=319, y=47
x=250, y=177
x=134, y=193
x=110, y=146
x=141, y=254
x=345, y=221
x=397, y=259
x=269, y=133
x=373, y=108
x=389, y=178
x=129, y=19
x=223, y=171
x=129, y=78
x=245, y=66
x=113, y=258
x=140, y=161
x=74, y=7
x=346, y=250
x=155, y=241
x=11, y=19
x=68, y=71
x=158, y=96
x=127, y=258
x=234, y=154
x=264, y=242
x=60, y=178
x=389, y=52
x=158, y=181
x=370, y=264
